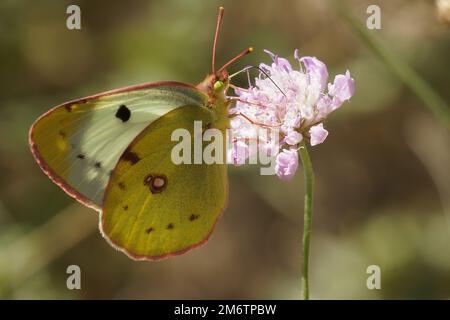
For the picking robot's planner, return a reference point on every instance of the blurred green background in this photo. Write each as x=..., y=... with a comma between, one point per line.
x=382, y=177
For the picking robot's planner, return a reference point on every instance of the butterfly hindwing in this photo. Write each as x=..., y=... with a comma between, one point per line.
x=78, y=143
x=154, y=208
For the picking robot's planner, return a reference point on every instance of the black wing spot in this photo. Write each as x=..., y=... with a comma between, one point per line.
x=62, y=134
x=170, y=226
x=81, y=156
x=148, y=180
x=130, y=156
x=98, y=165
x=69, y=107
x=123, y=113
x=193, y=217
x=149, y=230
x=121, y=185
x=125, y=207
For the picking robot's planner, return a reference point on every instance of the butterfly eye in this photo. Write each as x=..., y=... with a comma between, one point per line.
x=218, y=85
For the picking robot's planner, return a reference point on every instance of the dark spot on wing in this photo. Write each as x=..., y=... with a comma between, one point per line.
x=69, y=107
x=81, y=156
x=149, y=230
x=157, y=183
x=62, y=134
x=170, y=226
x=123, y=113
x=148, y=179
x=98, y=165
x=125, y=207
x=130, y=156
x=193, y=217
x=121, y=185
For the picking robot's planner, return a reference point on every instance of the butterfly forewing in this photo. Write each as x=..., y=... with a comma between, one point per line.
x=78, y=144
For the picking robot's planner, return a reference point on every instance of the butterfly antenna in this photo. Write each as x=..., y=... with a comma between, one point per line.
x=267, y=75
x=216, y=37
x=240, y=55
x=260, y=70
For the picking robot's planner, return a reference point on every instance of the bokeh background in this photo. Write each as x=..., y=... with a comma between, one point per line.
x=382, y=177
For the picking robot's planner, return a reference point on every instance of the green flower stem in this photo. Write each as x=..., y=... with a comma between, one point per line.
x=307, y=217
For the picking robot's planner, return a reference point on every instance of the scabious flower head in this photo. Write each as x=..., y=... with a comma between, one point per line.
x=295, y=102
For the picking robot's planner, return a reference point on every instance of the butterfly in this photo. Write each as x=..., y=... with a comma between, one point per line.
x=112, y=152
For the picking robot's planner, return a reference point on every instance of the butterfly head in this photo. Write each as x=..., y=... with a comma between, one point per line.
x=216, y=84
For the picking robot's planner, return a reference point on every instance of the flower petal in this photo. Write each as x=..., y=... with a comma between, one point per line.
x=318, y=134
x=283, y=63
x=286, y=164
x=342, y=89
x=293, y=138
x=271, y=54
x=324, y=107
x=316, y=69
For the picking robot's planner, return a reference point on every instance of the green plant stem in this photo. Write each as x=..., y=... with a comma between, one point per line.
x=307, y=217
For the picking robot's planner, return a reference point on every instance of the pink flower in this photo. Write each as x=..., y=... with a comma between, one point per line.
x=286, y=164
x=294, y=102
